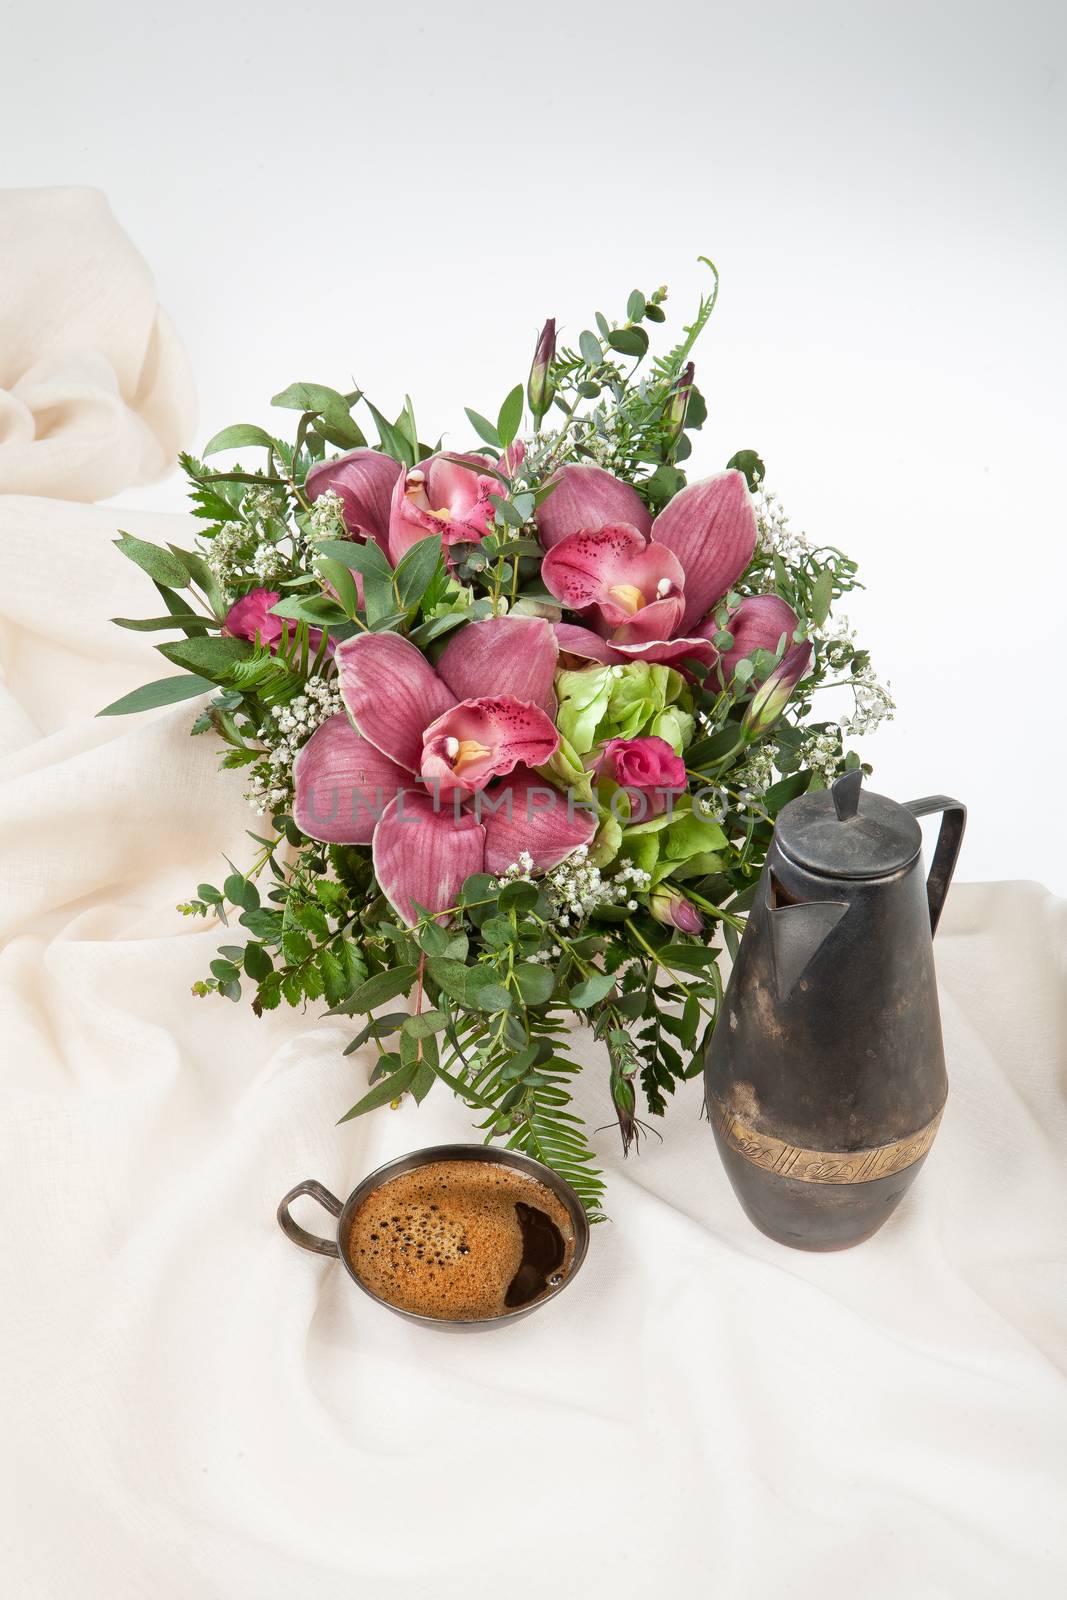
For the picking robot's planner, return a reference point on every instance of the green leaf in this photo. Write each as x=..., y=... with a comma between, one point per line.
x=424, y=1078
x=318, y=611
x=393, y=441
x=451, y=976
x=636, y=306
x=296, y=945
x=416, y=570
x=485, y=993
x=257, y=962
x=591, y=349
x=241, y=435
x=211, y=656
x=518, y=896
x=786, y=789
x=334, y=976
x=162, y=692
x=240, y=892
x=536, y=982
x=175, y=619
x=342, y=580
x=198, y=569
x=386, y=1090
x=629, y=341
x=591, y=990
x=688, y=957
x=822, y=595
x=510, y=418
x=158, y=563
x=696, y=412
x=483, y=427
x=313, y=397
x=748, y=462
x=425, y=1024
x=377, y=990
x=368, y=558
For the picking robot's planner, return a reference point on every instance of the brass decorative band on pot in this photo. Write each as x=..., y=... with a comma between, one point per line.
x=821, y=1166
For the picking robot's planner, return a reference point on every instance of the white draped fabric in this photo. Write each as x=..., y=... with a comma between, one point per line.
x=194, y=1408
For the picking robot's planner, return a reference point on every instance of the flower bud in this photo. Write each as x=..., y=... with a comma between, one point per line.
x=772, y=697
x=540, y=389
x=675, y=911
x=678, y=402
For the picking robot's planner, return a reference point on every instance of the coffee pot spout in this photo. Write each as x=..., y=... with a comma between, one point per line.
x=798, y=933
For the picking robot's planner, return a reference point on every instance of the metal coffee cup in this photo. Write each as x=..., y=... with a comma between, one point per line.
x=345, y=1213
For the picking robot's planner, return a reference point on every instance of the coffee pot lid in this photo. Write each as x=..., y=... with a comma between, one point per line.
x=846, y=831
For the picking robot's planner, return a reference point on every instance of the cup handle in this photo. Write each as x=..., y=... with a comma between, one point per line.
x=299, y=1235
x=945, y=851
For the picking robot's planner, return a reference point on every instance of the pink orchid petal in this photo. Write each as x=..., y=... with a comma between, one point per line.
x=441, y=496
x=671, y=651
x=505, y=731
x=424, y=853
x=583, y=642
x=657, y=621
x=757, y=624
x=613, y=569
x=527, y=814
x=391, y=692
x=588, y=497
x=711, y=527
x=459, y=489
x=343, y=784
x=507, y=655
x=364, y=479
x=512, y=458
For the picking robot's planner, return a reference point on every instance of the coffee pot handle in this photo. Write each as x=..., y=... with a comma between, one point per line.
x=946, y=850
x=299, y=1235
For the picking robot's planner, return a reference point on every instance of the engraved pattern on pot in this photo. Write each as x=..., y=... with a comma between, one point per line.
x=822, y=1166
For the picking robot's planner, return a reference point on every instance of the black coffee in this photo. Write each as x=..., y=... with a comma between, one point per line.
x=461, y=1240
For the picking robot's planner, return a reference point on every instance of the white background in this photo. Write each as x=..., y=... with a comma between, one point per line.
x=400, y=194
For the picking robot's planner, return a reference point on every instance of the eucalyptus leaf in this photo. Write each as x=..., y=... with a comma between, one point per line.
x=483, y=428
x=238, y=437
x=416, y=570
x=376, y=991
x=510, y=418
x=174, y=619
x=629, y=341
x=590, y=991
x=158, y=563
x=383, y=1093
x=161, y=692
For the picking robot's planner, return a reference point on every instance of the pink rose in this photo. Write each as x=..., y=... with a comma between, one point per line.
x=252, y=615
x=647, y=767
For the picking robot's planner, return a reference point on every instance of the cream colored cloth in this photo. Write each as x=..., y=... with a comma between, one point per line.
x=95, y=390
x=196, y=1410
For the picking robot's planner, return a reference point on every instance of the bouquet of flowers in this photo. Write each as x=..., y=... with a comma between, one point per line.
x=521, y=715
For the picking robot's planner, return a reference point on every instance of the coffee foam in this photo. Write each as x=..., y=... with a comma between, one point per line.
x=445, y=1239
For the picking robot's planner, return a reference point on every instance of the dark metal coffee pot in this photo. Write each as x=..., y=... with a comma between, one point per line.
x=825, y=1076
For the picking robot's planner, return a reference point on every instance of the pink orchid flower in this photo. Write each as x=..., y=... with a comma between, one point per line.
x=441, y=496
x=364, y=480
x=449, y=495
x=649, y=587
x=438, y=777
